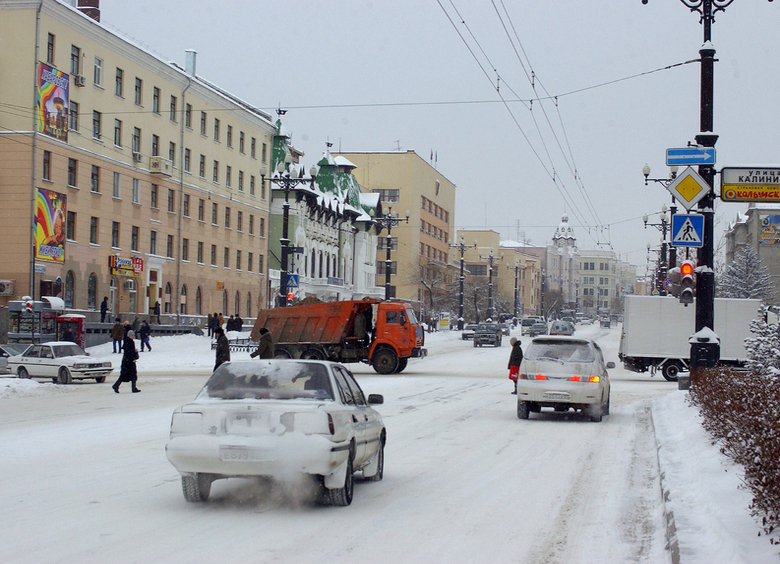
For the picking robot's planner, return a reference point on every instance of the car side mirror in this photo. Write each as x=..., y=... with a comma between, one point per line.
x=375, y=399
x=610, y=365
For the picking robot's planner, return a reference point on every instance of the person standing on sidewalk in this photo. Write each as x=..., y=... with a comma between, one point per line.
x=103, y=309
x=515, y=358
x=128, y=372
x=223, y=347
x=143, y=334
x=117, y=334
x=156, y=314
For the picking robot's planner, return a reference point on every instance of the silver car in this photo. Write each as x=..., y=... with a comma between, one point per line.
x=563, y=373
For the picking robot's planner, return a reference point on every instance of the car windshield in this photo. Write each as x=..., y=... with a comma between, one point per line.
x=564, y=351
x=67, y=350
x=487, y=327
x=269, y=380
x=528, y=322
x=410, y=316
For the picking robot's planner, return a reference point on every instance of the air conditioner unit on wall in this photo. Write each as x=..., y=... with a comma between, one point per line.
x=137, y=156
x=79, y=80
x=159, y=165
x=6, y=287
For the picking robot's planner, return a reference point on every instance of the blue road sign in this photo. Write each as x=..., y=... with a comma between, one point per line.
x=687, y=230
x=690, y=156
x=292, y=280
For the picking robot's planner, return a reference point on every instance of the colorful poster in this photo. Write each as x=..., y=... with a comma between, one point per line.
x=132, y=267
x=50, y=216
x=769, y=231
x=52, y=102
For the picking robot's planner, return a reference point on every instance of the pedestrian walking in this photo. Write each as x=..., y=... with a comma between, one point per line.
x=214, y=324
x=221, y=319
x=230, y=324
x=238, y=323
x=117, y=334
x=103, y=309
x=128, y=372
x=156, y=311
x=143, y=334
x=515, y=358
x=208, y=325
x=223, y=347
x=136, y=326
x=265, y=346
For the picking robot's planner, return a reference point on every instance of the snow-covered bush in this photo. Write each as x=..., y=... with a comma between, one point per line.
x=741, y=410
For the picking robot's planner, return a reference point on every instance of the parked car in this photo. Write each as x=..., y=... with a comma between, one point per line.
x=605, y=321
x=7, y=351
x=468, y=331
x=62, y=361
x=563, y=373
x=538, y=328
x=488, y=334
x=562, y=327
x=525, y=325
x=278, y=417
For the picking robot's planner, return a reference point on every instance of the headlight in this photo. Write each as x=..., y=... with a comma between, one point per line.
x=107, y=364
x=79, y=366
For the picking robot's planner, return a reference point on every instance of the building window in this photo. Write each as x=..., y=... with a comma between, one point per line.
x=93, y=230
x=70, y=228
x=185, y=249
x=390, y=195
x=188, y=116
x=241, y=142
x=227, y=217
x=238, y=260
x=91, y=291
x=239, y=221
x=97, y=72
x=249, y=260
x=226, y=258
x=213, y=255
x=201, y=210
x=216, y=130
x=252, y=185
x=156, y=100
x=134, y=238
x=94, y=179
x=215, y=172
x=155, y=145
x=47, y=165
x=172, y=152
x=73, y=117
x=203, y=123
x=173, y=108
x=153, y=242
x=169, y=247
x=171, y=201
x=265, y=153
x=262, y=190
x=186, y=160
x=136, y=140
x=200, y=252
x=259, y=264
x=230, y=136
x=202, y=167
x=117, y=133
x=381, y=268
x=186, y=205
x=119, y=86
x=213, y=213
x=138, y=89
x=153, y=201
x=115, y=234
x=228, y=175
x=136, y=191
x=240, y=180
x=117, y=185
x=251, y=224
x=261, y=227
x=252, y=145
x=50, y=50
x=96, y=125
x=75, y=60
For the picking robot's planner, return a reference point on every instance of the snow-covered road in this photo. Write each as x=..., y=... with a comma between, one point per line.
x=85, y=478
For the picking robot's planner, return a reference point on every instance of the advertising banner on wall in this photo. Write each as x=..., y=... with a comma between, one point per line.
x=52, y=102
x=132, y=267
x=50, y=216
x=769, y=232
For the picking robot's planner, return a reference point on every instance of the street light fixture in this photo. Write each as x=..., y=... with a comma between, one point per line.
x=517, y=268
x=389, y=221
x=491, y=259
x=286, y=181
x=462, y=248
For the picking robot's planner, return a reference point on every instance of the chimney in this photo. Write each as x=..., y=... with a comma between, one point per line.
x=192, y=57
x=90, y=8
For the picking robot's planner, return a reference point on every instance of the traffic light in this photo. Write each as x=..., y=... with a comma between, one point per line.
x=290, y=297
x=28, y=306
x=687, y=282
x=675, y=275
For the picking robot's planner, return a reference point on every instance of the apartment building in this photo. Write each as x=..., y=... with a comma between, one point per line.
x=124, y=175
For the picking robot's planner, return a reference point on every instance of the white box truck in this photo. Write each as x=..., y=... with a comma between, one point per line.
x=656, y=330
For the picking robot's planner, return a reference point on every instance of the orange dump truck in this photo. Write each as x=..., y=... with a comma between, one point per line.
x=385, y=334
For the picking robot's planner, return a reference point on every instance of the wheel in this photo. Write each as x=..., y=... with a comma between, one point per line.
x=498, y=343
x=379, y=460
x=385, y=361
x=281, y=353
x=343, y=496
x=475, y=344
x=522, y=410
x=100, y=379
x=196, y=488
x=63, y=376
x=402, y=362
x=312, y=354
x=596, y=413
x=605, y=408
x=671, y=370
x=22, y=373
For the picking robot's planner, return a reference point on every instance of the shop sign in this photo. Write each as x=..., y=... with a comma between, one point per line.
x=119, y=266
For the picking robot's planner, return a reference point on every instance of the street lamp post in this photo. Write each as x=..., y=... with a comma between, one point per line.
x=389, y=221
x=491, y=259
x=462, y=248
x=663, y=227
x=517, y=269
x=284, y=179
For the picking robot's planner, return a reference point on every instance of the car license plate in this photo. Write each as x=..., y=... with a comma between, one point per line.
x=556, y=396
x=241, y=454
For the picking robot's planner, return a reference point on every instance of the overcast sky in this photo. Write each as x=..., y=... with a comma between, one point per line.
x=396, y=74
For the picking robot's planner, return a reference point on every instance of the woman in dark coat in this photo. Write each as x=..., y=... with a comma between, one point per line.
x=223, y=347
x=515, y=358
x=128, y=371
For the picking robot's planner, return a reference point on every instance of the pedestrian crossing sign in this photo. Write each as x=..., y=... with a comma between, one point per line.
x=687, y=230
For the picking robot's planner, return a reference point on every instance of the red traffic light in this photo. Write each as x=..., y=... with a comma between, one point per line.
x=686, y=268
x=290, y=296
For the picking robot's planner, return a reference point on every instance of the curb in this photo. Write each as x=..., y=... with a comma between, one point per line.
x=672, y=544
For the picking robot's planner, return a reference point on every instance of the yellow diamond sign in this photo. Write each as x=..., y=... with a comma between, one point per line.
x=688, y=188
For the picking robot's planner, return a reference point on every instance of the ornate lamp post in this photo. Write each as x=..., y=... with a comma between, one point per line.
x=389, y=221
x=672, y=261
x=462, y=248
x=663, y=227
x=517, y=268
x=490, y=259
x=284, y=179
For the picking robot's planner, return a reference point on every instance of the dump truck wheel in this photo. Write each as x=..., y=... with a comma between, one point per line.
x=385, y=361
x=401, y=365
x=281, y=353
x=312, y=354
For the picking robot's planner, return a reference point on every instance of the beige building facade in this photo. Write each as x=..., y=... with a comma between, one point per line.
x=125, y=176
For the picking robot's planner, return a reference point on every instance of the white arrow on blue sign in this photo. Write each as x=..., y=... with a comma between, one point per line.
x=690, y=156
x=687, y=230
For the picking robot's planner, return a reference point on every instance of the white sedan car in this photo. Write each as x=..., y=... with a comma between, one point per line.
x=62, y=361
x=563, y=373
x=278, y=418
